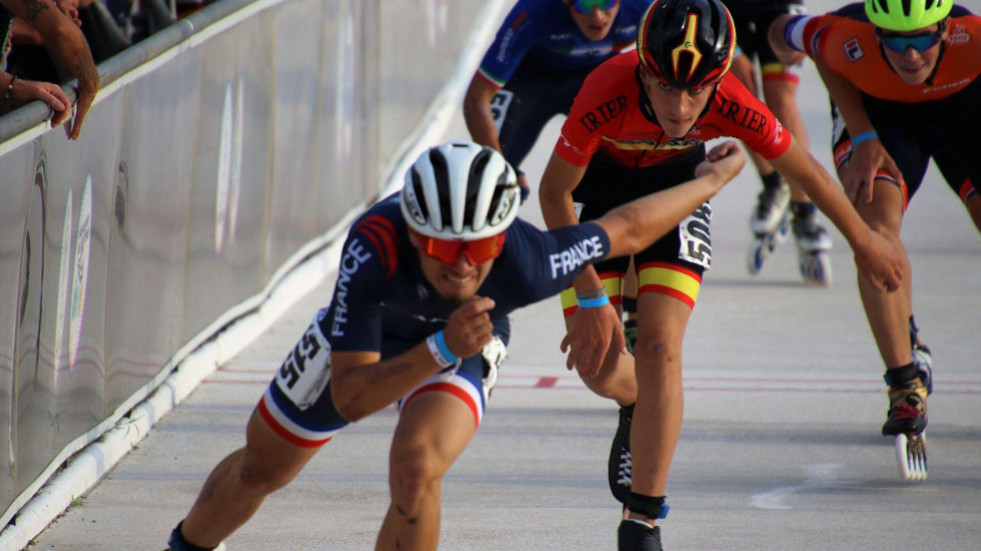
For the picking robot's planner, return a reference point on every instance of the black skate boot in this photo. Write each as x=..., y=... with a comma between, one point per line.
x=637, y=535
x=619, y=466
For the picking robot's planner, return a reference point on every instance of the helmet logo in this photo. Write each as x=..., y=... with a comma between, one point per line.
x=504, y=206
x=688, y=46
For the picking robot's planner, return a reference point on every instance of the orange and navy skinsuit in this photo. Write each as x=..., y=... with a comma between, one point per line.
x=937, y=119
x=613, y=132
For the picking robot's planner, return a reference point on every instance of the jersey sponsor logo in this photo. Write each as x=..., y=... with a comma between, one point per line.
x=747, y=117
x=580, y=253
x=351, y=262
x=603, y=113
x=958, y=35
x=853, y=50
x=502, y=52
x=949, y=85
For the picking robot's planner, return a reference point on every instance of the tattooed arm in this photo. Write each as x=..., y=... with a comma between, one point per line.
x=67, y=46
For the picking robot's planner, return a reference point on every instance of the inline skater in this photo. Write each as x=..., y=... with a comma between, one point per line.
x=781, y=207
x=903, y=79
x=639, y=124
x=419, y=313
x=533, y=70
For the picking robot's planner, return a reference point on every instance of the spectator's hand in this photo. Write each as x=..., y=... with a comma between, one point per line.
x=85, y=97
x=590, y=336
x=469, y=327
x=858, y=173
x=879, y=262
x=26, y=91
x=70, y=8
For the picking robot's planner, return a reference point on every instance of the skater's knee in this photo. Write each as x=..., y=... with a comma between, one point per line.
x=415, y=473
x=261, y=477
x=661, y=350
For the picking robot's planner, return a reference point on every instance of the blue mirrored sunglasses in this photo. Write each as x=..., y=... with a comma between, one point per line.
x=919, y=42
x=587, y=6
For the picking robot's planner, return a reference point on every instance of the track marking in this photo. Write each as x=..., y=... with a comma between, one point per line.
x=817, y=475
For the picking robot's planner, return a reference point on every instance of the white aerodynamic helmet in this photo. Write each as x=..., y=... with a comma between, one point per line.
x=460, y=191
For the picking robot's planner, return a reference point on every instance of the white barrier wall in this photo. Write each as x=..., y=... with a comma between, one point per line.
x=216, y=151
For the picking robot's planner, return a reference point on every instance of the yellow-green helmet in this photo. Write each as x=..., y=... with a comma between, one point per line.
x=906, y=15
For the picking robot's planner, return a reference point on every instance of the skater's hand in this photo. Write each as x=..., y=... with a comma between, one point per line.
x=723, y=162
x=859, y=173
x=469, y=327
x=590, y=336
x=879, y=262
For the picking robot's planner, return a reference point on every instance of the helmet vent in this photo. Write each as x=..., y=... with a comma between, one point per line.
x=418, y=208
x=441, y=173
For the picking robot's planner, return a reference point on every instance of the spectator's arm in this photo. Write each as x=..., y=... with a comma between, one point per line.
x=67, y=46
x=23, y=34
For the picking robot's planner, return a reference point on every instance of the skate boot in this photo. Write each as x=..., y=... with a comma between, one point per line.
x=921, y=356
x=178, y=543
x=907, y=420
x=637, y=535
x=770, y=224
x=813, y=244
x=619, y=465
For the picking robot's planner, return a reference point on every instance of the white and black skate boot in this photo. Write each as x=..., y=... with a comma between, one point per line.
x=770, y=224
x=637, y=535
x=813, y=244
x=619, y=464
x=907, y=420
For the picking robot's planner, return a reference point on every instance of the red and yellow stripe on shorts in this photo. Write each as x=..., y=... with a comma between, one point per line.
x=671, y=280
x=778, y=71
x=612, y=281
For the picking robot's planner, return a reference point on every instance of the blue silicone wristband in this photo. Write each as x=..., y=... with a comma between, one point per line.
x=602, y=300
x=443, y=349
x=864, y=137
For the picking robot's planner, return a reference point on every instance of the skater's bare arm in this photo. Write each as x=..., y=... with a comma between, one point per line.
x=477, y=112
x=858, y=174
x=636, y=225
x=592, y=330
x=362, y=383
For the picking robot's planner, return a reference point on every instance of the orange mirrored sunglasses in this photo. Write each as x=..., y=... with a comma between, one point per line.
x=448, y=252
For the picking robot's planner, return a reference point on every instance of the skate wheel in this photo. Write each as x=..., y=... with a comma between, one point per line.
x=911, y=455
x=815, y=268
x=755, y=258
x=783, y=229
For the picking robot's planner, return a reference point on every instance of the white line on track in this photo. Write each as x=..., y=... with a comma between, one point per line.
x=817, y=475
